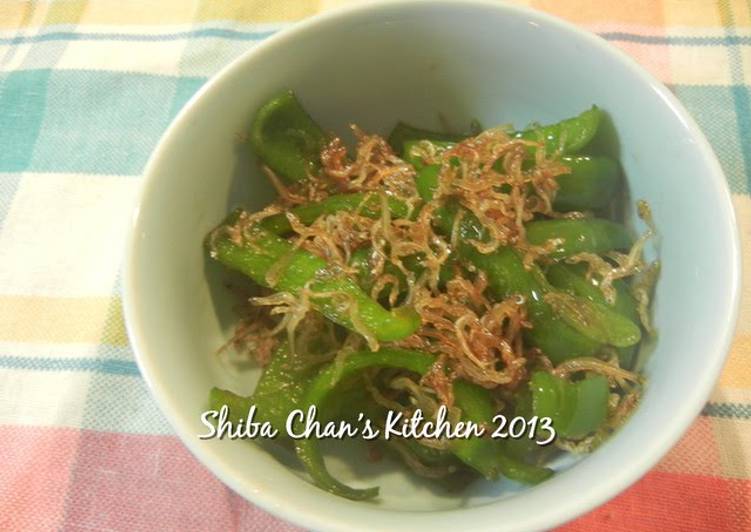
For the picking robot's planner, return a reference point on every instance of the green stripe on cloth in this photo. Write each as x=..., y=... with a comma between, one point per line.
x=23, y=97
x=69, y=33
x=98, y=365
x=108, y=122
x=122, y=403
x=713, y=107
x=727, y=410
x=86, y=121
x=740, y=93
x=203, y=33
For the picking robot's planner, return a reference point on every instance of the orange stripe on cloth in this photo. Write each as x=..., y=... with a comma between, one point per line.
x=643, y=12
x=64, y=320
x=663, y=502
x=14, y=14
x=737, y=371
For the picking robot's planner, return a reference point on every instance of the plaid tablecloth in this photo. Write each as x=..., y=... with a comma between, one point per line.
x=86, y=90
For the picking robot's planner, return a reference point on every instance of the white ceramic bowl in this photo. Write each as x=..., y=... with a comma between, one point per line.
x=372, y=65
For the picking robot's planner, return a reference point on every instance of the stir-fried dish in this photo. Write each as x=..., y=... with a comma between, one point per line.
x=483, y=273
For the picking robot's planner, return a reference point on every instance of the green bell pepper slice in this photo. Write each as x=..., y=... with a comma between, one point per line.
x=591, y=184
x=297, y=268
x=403, y=132
x=484, y=455
x=569, y=136
x=286, y=138
x=577, y=409
x=368, y=204
x=592, y=235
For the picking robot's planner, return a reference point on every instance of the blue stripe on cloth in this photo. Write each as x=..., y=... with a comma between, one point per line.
x=185, y=89
x=23, y=97
x=677, y=40
x=108, y=366
x=109, y=122
x=714, y=111
x=221, y=33
x=238, y=35
x=122, y=404
x=117, y=403
x=100, y=122
x=742, y=101
x=727, y=410
x=741, y=98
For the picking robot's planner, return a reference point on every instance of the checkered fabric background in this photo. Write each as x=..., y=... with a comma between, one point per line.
x=86, y=90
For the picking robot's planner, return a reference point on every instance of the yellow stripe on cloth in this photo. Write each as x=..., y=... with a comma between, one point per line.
x=123, y=13
x=737, y=372
x=257, y=11
x=742, y=14
x=733, y=438
x=15, y=13
x=62, y=320
x=694, y=13
x=24, y=14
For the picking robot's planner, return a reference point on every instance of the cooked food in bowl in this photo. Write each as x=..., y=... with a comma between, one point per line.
x=479, y=282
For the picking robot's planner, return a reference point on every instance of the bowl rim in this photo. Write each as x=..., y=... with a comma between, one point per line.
x=550, y=516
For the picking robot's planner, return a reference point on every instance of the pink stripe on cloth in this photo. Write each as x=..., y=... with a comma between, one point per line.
x=60, y=478
x=34, y=476
x=654, y=58
x=141, y=482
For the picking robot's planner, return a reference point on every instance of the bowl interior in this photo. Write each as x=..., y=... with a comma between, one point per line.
x=447, y=64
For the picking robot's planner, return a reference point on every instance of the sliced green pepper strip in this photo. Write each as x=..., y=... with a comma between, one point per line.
x=283, y=373
x=527, y=450
x=361, y=261
x=489, y=456
x=564, y=326
x=506, y=276
x=593, y=235
x=403, y=132
x=286, y=138
x=592, y=183
x=367, y=204
x=597, y=321
x=571, y=278
x=288, y=374
x=308, y=450
x=428, y=455
x=569, y=136
x=576, y=408
x=411, y=143
x=426, y=178
x=482, y=454
x=297, y=268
